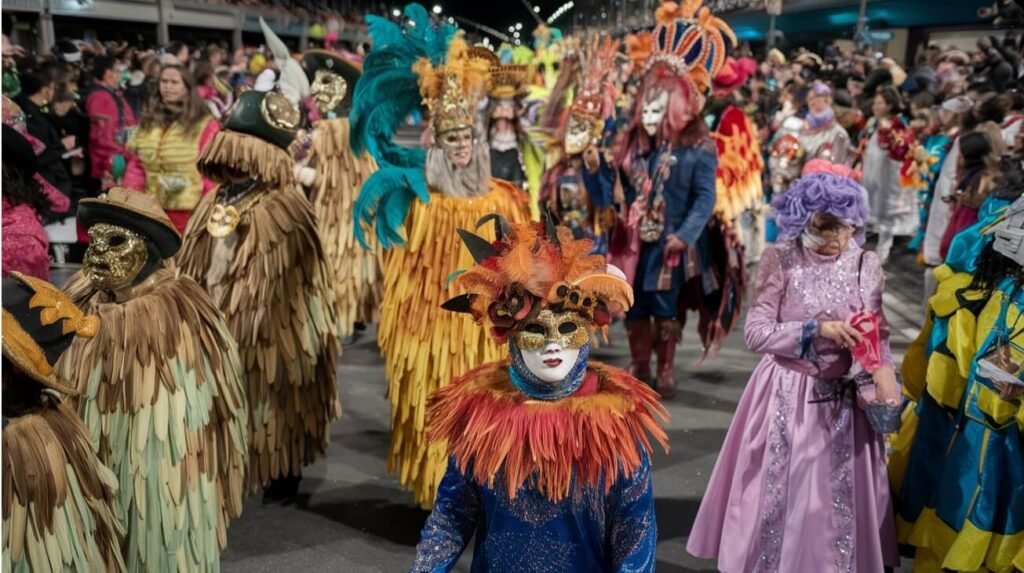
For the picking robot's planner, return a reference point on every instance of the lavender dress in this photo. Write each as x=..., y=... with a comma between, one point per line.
x=801, y=486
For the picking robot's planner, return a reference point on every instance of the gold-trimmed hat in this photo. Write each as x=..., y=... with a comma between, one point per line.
x=39, y=324
x=451, y=90
x=135, y=211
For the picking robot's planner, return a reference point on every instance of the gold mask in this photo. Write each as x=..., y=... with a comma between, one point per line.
x=115, y=256
x=579, y=134
x=566, y=329
x=223, y=221
x=329, y=90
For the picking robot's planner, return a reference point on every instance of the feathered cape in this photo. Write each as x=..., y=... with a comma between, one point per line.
x=58, y=499
x=163, y=401
x=425, y=346
x=272, y=282
x=340, y=174
x=505, y=440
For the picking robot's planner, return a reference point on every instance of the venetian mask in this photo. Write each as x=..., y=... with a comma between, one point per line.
x=458, y=146
x=550, y=344
x=579, y=134
x=654, y=112
x=115, y=256
x=223, y=221
x=329, y=90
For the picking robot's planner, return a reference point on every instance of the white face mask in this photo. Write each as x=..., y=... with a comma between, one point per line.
x=654, y=112
x=551, y=363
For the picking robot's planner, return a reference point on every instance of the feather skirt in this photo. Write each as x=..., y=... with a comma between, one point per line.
x=165, y=407
x=272, y=282
x=356, y=272
x=58, y=498
x=424, y=346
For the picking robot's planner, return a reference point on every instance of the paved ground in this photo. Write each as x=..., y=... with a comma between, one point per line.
x=352, y=517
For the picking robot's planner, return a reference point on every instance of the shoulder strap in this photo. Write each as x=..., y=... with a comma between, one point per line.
x=860, y=269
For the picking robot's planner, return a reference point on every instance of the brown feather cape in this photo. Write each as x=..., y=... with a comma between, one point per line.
x=271, y=280
x=58, y=497
x=339, y=177
x=163, y=400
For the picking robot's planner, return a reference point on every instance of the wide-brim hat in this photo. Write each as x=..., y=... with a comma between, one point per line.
x=135, y=211
x=39, y=324
x=315, y=60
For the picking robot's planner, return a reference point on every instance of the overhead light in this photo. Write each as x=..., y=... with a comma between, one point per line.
x=515, y=34
x=451, y=20
x=511, y=28
x=519, y=25
x=518, y=42
x=536, y=9
x=396, y=12
x=437, y=8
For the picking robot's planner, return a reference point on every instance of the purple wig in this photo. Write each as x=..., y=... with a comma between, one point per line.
x=821, y=192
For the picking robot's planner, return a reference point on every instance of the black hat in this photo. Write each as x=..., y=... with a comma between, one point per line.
x=39, y=323
x=135, y=211
x=266, y=115
x=18, y=153
x=67, y=51
x=323, y=61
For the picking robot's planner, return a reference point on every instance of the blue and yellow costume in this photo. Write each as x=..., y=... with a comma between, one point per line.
x=936, y=147
x=958, y=465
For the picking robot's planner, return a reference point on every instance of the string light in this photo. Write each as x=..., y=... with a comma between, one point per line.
x=561, y=10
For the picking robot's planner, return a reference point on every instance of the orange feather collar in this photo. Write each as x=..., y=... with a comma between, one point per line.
x=497, y=433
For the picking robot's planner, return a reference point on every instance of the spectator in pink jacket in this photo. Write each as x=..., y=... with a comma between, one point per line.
x=110, y=116
x=27, y=197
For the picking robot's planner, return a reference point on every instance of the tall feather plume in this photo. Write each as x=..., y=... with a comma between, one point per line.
x=293, y=81
x=385, y=95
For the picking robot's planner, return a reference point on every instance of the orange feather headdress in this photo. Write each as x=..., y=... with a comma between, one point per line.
x=532, y=266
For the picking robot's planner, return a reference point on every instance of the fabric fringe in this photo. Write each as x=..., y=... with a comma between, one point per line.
x=165, y=407
x=247, y=154
x=339, y=177
x=505, y=440
x=424, y=346
x=277, y=298
x=58, y=498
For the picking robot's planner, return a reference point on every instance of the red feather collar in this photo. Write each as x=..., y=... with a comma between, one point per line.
x=595, y=434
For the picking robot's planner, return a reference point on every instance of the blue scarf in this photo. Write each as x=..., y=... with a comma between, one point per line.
x=537, y=389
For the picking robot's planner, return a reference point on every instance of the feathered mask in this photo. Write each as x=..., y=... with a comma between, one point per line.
x=692, y=41
x=534, y=266
x=451, y=90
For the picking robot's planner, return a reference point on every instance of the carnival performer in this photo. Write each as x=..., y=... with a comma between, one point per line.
x=963, y=431
x=505, y=94
x=800, y=483
x=253, y=244
x=58, y=502
x=338, y=175
x=893, y=206
x=822, y=137
x=414, y=201
x=668, y=164
x=527, y=475
x=577, y=186
x=162, y=389
x=173, y=130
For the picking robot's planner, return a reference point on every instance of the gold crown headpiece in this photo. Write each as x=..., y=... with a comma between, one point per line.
x=451, y=90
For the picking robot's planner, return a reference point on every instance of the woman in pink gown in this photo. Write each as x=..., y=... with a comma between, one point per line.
x=800, y=484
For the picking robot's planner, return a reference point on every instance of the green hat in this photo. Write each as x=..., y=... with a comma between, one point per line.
x=266, y=115
x=324, y=70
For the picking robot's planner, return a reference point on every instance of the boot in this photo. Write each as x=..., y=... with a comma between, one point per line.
x=669, y=331
x=281, y=490
x=640, y=343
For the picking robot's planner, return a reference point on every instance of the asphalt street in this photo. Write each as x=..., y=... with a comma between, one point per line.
x=351, y=516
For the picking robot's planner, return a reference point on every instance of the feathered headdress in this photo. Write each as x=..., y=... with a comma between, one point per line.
x=691, y=40
x=532, y=266
x=595, y=99
x=293, y=82
x=451, y=90
x=386, y=94
x=639, y=47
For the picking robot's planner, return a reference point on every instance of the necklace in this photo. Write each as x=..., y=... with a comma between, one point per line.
x=235, y=202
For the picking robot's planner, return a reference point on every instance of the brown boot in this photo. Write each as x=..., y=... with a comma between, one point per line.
x=669, y=330
x=641, y=339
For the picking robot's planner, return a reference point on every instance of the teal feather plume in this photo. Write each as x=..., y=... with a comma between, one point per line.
x=386, y=94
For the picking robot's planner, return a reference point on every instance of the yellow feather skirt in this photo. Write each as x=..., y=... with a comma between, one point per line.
x=424, y=346
x=339, y=176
